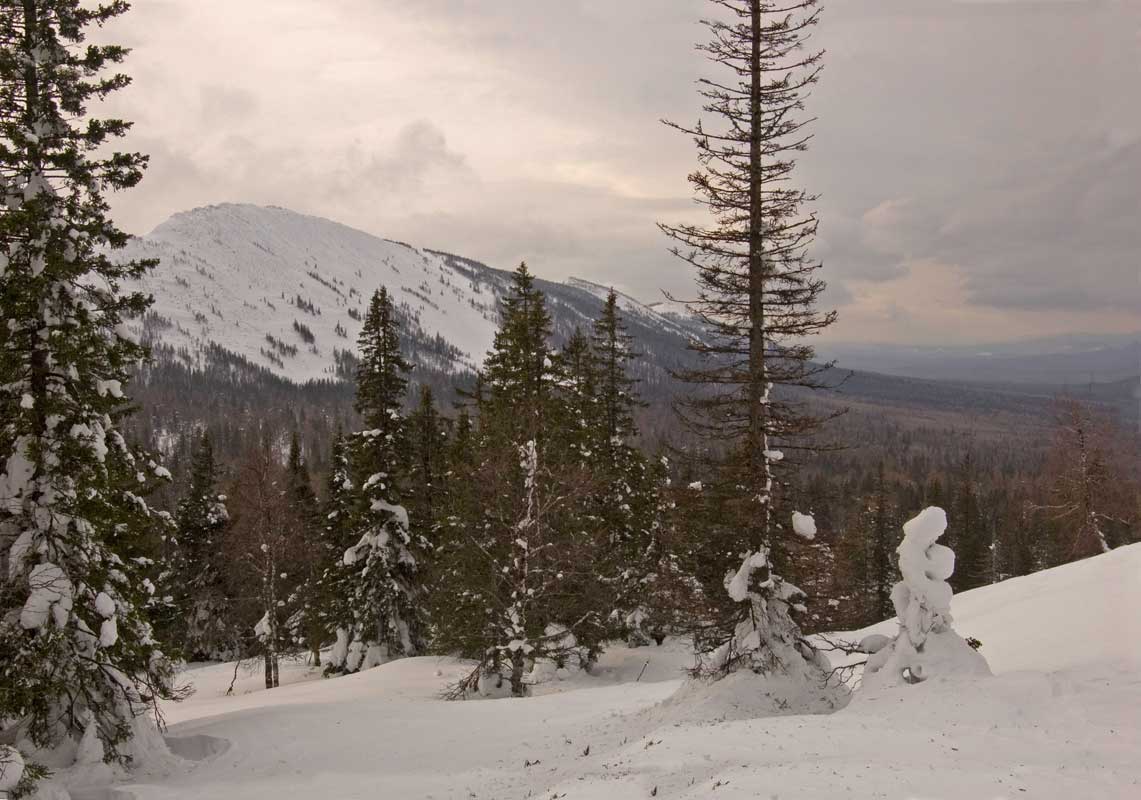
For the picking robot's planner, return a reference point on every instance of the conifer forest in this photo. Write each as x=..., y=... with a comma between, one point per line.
x=823, y=480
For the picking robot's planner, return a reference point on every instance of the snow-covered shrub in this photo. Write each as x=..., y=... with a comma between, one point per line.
x=768, y=642
x=926, y=645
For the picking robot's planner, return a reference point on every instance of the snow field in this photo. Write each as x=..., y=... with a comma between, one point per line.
x=1060, y=719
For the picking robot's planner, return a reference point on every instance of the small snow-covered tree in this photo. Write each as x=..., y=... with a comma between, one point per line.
x=926, y=645
x=76, y=652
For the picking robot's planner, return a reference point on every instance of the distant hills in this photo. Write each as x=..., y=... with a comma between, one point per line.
x=1060, y=361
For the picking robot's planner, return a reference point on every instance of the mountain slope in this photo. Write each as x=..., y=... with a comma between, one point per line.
x=288, y=292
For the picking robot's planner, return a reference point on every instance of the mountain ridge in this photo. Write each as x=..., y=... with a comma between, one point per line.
x=288, y=292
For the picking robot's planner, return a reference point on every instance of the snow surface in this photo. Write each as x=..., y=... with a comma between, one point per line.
x=1058, y=720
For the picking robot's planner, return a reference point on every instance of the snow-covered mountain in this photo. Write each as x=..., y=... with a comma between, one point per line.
x=288, y=292
x=668, y=314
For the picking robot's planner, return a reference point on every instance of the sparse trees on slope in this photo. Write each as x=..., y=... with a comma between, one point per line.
x=76, y=653
x=757, y=297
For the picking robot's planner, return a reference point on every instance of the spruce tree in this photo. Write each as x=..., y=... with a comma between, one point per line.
x=628, y=499
x=200, y=521
x=337, y=534
x=387, y=565
x=868, y=552
x=613, y=353
x=757, y=297
x=967, y=530
x=581, y=426
x=76, y=653
x=513, y=567
x=308, y=625
x=575, y=435
x=428, y=443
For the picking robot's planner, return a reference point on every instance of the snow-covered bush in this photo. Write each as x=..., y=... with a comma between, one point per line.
x=926, y=645
x=768, y=642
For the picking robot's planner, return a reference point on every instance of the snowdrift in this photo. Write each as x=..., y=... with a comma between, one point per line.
x=1058, y=719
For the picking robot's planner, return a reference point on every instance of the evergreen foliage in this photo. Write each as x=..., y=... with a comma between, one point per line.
x=200, y=522
x=308, y=625
x=387, y=566
x=514, y=541
x=76, y=650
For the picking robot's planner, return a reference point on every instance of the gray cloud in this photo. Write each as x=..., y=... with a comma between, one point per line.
x=227, y=104
x=993, y=141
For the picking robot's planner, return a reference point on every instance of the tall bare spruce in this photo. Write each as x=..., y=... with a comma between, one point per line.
x=757, y=294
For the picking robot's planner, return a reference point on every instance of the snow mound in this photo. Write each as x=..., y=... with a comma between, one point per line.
x=745, y=695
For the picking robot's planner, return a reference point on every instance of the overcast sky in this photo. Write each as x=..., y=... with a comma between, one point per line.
x=979, y=163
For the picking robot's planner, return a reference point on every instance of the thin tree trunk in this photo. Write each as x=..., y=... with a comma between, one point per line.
x=760, y=472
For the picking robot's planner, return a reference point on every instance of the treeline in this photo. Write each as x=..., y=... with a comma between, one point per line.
x=526, y=525
x=524, y=528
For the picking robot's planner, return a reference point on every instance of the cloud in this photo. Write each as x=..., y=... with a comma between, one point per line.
x=226, y=104
x=991, y=139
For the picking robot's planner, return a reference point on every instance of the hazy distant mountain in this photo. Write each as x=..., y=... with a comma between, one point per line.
x=1073, y=360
